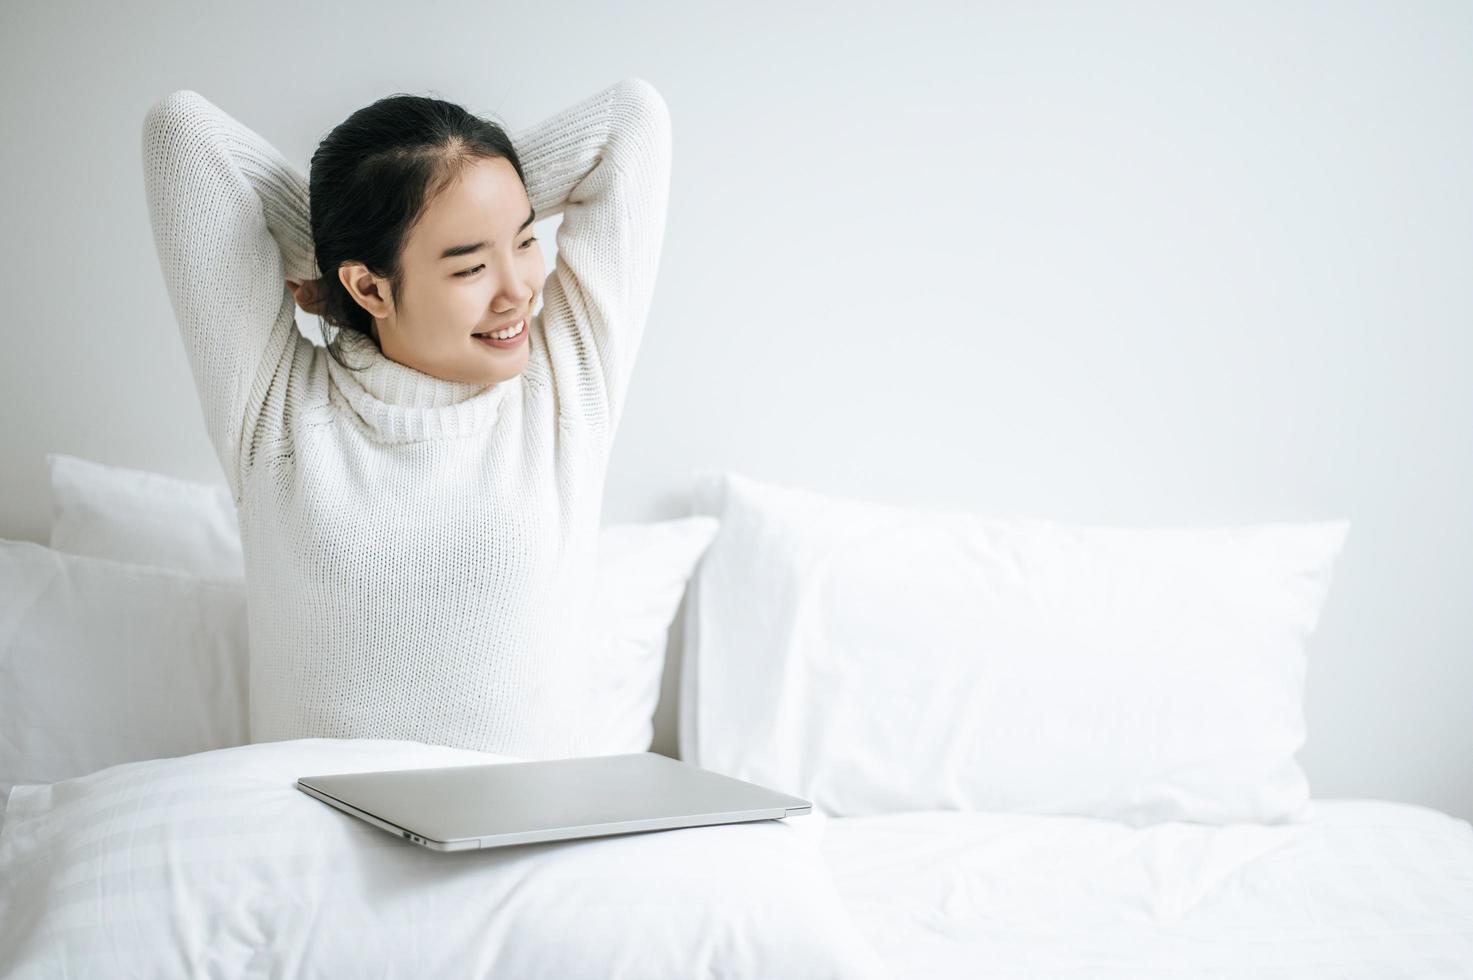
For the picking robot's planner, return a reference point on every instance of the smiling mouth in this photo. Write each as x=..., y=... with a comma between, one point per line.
x=516, y=340
x=520, y=326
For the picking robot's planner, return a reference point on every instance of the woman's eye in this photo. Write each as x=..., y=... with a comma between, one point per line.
x=471, y=272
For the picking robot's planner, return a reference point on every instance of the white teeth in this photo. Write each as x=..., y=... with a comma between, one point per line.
x=508, y=333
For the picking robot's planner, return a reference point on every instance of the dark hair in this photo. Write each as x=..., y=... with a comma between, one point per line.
x=373, y=177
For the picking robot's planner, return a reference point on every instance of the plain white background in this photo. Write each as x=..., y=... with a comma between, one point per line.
x=1127, y=263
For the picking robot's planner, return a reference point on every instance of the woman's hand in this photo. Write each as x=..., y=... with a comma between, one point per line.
x=309, y=294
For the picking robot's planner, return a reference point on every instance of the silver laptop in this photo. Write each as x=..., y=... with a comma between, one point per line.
x=461, y=808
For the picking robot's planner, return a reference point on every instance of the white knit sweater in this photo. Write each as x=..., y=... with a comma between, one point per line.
x=419, y=552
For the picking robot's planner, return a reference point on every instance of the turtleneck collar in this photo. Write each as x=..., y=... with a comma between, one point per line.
x=403, y=404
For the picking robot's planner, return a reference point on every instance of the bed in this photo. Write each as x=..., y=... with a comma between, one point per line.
x=1364, y=889
x=988, y=800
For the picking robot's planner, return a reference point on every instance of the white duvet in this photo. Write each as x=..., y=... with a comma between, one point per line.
x=1364, y=891
x=215, y=865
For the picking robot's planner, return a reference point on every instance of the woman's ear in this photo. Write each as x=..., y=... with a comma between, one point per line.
x=368, y=290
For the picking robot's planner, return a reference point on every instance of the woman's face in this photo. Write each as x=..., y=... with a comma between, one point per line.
x=471, y=265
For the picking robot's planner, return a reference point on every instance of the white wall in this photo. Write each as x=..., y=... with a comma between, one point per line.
x=1137, y=263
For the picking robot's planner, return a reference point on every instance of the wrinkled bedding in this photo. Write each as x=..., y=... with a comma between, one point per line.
x=1366, y=889
x=215, y=865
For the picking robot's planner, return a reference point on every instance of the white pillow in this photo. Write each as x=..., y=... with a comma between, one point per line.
x=143, y=517
x=216, y=865
x=154, y=519
x=103, y=662
x=876, y=658
x=643, y=570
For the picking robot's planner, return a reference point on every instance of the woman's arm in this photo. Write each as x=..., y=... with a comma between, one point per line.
x=231, y=224
x=604, y=164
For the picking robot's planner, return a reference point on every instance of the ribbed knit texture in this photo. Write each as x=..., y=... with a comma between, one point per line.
x=419, y=552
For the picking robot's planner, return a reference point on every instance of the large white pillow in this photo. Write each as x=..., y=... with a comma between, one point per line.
x=103, y=662
x=216, y=865
x=143, y=517
x=154, y=519
x=877, y=658
x=643, y=571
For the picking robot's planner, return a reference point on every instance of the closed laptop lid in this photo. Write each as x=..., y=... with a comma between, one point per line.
x=465, y=807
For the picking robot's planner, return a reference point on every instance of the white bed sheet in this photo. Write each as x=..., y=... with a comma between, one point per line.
x=1366, y=889
x=216, y=865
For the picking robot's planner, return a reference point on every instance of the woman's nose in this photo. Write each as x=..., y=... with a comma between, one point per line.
x=515, y=297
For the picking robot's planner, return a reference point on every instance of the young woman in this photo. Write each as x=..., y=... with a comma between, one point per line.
x=419, y=504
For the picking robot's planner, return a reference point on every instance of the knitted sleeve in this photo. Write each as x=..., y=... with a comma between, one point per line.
x=231, y=224
x=604, y=164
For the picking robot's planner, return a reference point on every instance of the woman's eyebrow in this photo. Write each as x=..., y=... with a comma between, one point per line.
x=455, y=251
